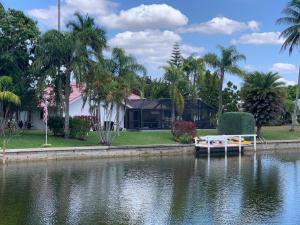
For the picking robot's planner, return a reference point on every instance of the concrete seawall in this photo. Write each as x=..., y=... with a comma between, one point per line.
x=94, y=152
x=128, y=151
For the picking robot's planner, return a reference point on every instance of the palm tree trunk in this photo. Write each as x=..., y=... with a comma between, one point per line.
x=220, y=109
x=258, y=130
x=294, y=119
x=59, y=92
x=67, y=105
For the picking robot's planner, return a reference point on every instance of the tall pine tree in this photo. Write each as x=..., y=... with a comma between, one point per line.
x=176, y=57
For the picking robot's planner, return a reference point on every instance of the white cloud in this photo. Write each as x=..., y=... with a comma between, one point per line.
x=95, y=8
x=259, y=38
x=283, y=68
x=250, y=68
x=152, y=47
x=156, y=16
x=220, y=25
x=287, y=82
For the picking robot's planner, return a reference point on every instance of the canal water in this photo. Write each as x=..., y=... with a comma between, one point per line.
x=169, y=190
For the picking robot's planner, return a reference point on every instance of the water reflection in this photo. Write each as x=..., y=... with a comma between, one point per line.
x=173, y=190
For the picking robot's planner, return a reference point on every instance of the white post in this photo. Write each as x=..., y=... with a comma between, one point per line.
x=208, y=149
x=46, y=132
x=225, y=145
x=240, y=144
x=46, y=121
x=254, y=142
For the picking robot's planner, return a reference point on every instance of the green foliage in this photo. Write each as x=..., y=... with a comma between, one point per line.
x=176, y=57
x=79, y=128
x=291, y=19
x=185, y=139
x=56, y=125
x=236, y=123
x=263, y=96
x=75, y=51
x=225, y=63
x=156, y=88
x=18, y=38
x=209, y=85
x=175, y=79
x=231, y=98
x=291, y=92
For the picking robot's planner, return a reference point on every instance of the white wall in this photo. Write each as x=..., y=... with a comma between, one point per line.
x=36, y=120
x=114, y=114
x=75, y=110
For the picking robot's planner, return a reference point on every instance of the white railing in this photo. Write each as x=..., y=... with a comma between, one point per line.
x=224, y=139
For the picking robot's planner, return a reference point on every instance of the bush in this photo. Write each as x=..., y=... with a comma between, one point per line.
x=184, y=131
x=237, y=123
x=79, y=128
x=185, y=139
x=92, y=120
x=56, y=125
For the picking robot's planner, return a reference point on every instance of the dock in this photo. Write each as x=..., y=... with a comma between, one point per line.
x=224, y=143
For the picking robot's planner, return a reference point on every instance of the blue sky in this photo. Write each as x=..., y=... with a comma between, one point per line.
x=147, y=29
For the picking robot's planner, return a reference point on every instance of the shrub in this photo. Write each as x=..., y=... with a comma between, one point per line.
x=56, y=125
x=185, y=139
x=184, y=131
x=79, y=128
x=92, y=120
x=237, y=123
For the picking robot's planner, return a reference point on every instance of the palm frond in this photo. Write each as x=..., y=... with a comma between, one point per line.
x=10, y=97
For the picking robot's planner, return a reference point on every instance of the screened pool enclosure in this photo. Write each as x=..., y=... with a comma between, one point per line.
x=154, y=114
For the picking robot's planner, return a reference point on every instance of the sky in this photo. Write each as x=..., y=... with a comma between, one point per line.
x=148, y=29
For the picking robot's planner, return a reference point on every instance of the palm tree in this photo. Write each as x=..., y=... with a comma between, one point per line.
x=126, y=67
x=225, y=63
x=193, y=69
x=174, y=77
x=292, y=39
x=7, y=99
x=263, y=96
x=127, y=70
x=73, y=51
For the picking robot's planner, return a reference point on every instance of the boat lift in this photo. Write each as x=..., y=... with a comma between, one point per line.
x=226, y=142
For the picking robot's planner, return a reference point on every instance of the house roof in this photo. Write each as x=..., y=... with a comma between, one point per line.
x=76, y=93
x=145, y=104
x=134, y=97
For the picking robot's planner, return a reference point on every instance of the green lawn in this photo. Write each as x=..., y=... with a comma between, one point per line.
x=34, y=139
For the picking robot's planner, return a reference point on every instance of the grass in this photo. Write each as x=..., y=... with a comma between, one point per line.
x=280, y=133
x=34, y=139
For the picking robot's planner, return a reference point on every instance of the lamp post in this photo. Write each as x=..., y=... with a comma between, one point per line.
x=58, y=15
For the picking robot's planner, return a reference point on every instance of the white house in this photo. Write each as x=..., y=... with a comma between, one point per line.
x=76, y=102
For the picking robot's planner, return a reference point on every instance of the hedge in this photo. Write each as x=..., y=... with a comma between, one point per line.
x=236, y=123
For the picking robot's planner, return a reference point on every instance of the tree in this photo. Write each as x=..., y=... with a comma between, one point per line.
x=208, y=92
x=292, y=38
x=176, y=57
x=73, y=52
x=263, y=96
x=127, y=70
x=231, y=97
x=156, y=88
x=225, y=63
x=18, y=38
x=193, y=69
x=104, y=92
x=8, y=99
x=174, y=77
